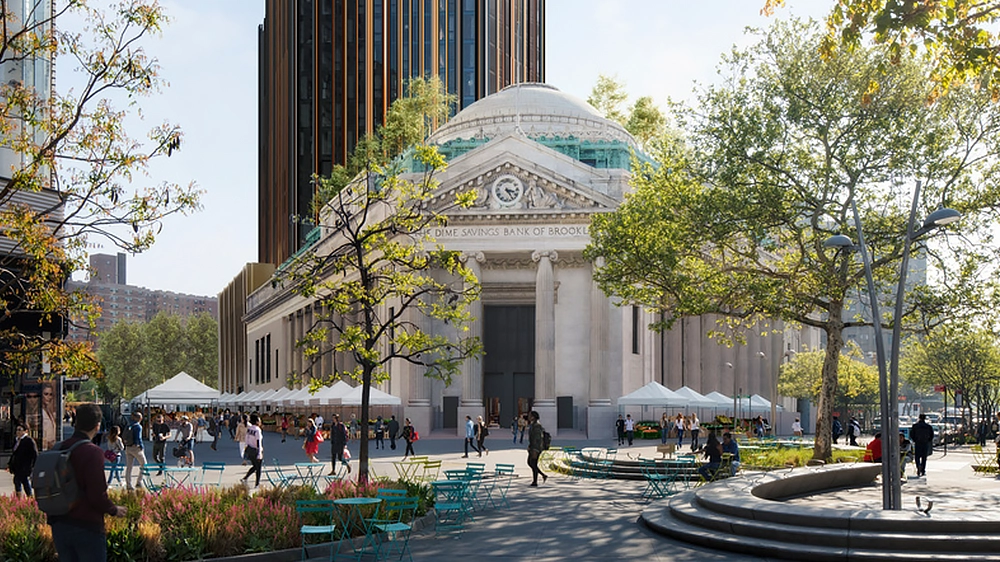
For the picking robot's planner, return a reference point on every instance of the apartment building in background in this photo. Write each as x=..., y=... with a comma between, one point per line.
x=120, y=301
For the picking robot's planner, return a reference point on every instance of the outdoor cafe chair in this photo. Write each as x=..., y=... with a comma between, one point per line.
x=503, y=477
x=276, y=476
x=482, y=488
x=151, y=470
x=450, y=506
x=659, y=479
x=431, y=471
x=394, y=524
x=323, y=510
x=211, y=474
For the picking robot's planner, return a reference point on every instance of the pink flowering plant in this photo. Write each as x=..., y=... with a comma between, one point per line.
x=183, y=523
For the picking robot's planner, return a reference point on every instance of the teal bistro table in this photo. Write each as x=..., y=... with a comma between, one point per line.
x=352, y=521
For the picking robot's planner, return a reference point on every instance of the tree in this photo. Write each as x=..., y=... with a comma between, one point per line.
x=201, y=332
x=964, y=359
x=857, y=382
x=959, y=37
x=643, y=119
x=379, y=271
x=122, y=356
x=167, y=346
x=78, y=173
x=135, y=356
x=733, y=220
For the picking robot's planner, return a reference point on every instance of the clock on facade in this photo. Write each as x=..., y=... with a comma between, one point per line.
x=507, y=190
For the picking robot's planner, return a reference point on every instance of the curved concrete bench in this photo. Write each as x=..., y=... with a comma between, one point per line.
x=747, y=515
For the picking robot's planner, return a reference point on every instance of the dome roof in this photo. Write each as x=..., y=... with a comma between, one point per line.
x=535, y=110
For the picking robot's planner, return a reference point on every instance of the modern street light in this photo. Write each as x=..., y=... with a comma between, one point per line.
x=889, y=385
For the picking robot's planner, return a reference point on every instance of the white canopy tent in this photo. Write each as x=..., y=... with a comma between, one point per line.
x=329, y=395
x=275, y=399
x=696, y=400
x=250, y=398
x=755, y=403
x=720, y=399
x=181, y=389
x=654, y=394
x=376, y=397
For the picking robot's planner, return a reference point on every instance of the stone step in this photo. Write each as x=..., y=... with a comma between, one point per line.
x=684, y=518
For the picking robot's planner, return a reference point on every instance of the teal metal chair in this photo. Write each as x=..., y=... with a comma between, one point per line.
x=150, y=471
x=211, y=474
x=276, y=476
x=503, y=476
x=659, y=479
x=394, y=524
x=451, y=508
x=315, y=518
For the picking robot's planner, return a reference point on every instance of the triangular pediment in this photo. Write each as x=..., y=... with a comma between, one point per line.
x=517, y=176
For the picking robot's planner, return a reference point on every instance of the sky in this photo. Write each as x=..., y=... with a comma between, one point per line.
x=208, y=56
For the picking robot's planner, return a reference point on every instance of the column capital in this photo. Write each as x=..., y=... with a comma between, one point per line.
x=478, y=257
x=552, y=255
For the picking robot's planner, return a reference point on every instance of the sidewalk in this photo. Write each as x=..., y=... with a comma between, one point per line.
x=591, y=520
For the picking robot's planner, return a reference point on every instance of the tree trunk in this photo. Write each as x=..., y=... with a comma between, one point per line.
x=823, y=446
x=366, y=382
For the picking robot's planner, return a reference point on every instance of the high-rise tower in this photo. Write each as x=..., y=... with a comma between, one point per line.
x=330, y=68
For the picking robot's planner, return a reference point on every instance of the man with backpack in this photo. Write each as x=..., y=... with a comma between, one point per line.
x=134, y=451
x=536, y=444
x=78, y=532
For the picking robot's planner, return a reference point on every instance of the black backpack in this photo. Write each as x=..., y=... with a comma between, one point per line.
x=546, y=440
x=128, y=437
x=485, y=431
x=54, y=480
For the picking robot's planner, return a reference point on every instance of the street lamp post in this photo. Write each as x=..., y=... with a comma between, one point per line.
x=889, y=384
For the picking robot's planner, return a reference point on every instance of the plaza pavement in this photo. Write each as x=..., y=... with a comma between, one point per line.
x=590, y=520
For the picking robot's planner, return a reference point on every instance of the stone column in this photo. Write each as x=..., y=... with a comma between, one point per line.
x=545, y=339
x=600, y=413
x=472, y=369
x=418, y=404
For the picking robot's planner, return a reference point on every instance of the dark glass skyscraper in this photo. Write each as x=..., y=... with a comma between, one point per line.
x=330, y=68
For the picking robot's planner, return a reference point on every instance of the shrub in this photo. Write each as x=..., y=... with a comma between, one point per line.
x=186, y=524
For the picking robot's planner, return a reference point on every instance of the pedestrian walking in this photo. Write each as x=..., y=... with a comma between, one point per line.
x=837, y=429
x=311, y=440
x=254, y=449
x=922, y=435
x=620, y=429
x=629, y=429
x=470, y=436
x=536, y=435
x=695, y=431
x=393, y=431
x=679, y=428
x=797, y=428
x=79, y=535
x=22, y=459
x=241, y=437
x=379, y=433
x=185, y=436
x=338, y=444
x=665, y=426
x=113, y=453
x=481, y=433
x=161, y=433
x=284, y=427
x=409, y=435
x=135, y=452
x=522, y=426
x=513, y=428
x=853, y=431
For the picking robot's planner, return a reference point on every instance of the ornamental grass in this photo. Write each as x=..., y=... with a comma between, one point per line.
x=182, y=524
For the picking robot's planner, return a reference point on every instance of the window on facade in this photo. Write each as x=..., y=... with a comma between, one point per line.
x=635, y=330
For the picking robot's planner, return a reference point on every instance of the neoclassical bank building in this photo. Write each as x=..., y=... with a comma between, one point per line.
x=542, y=164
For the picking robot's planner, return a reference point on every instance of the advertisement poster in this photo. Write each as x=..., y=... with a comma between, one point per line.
x=41, y=410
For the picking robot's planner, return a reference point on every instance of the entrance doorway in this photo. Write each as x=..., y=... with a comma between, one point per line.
x=509, y=363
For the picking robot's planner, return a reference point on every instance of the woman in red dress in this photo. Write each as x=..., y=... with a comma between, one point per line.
x=311, y=445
